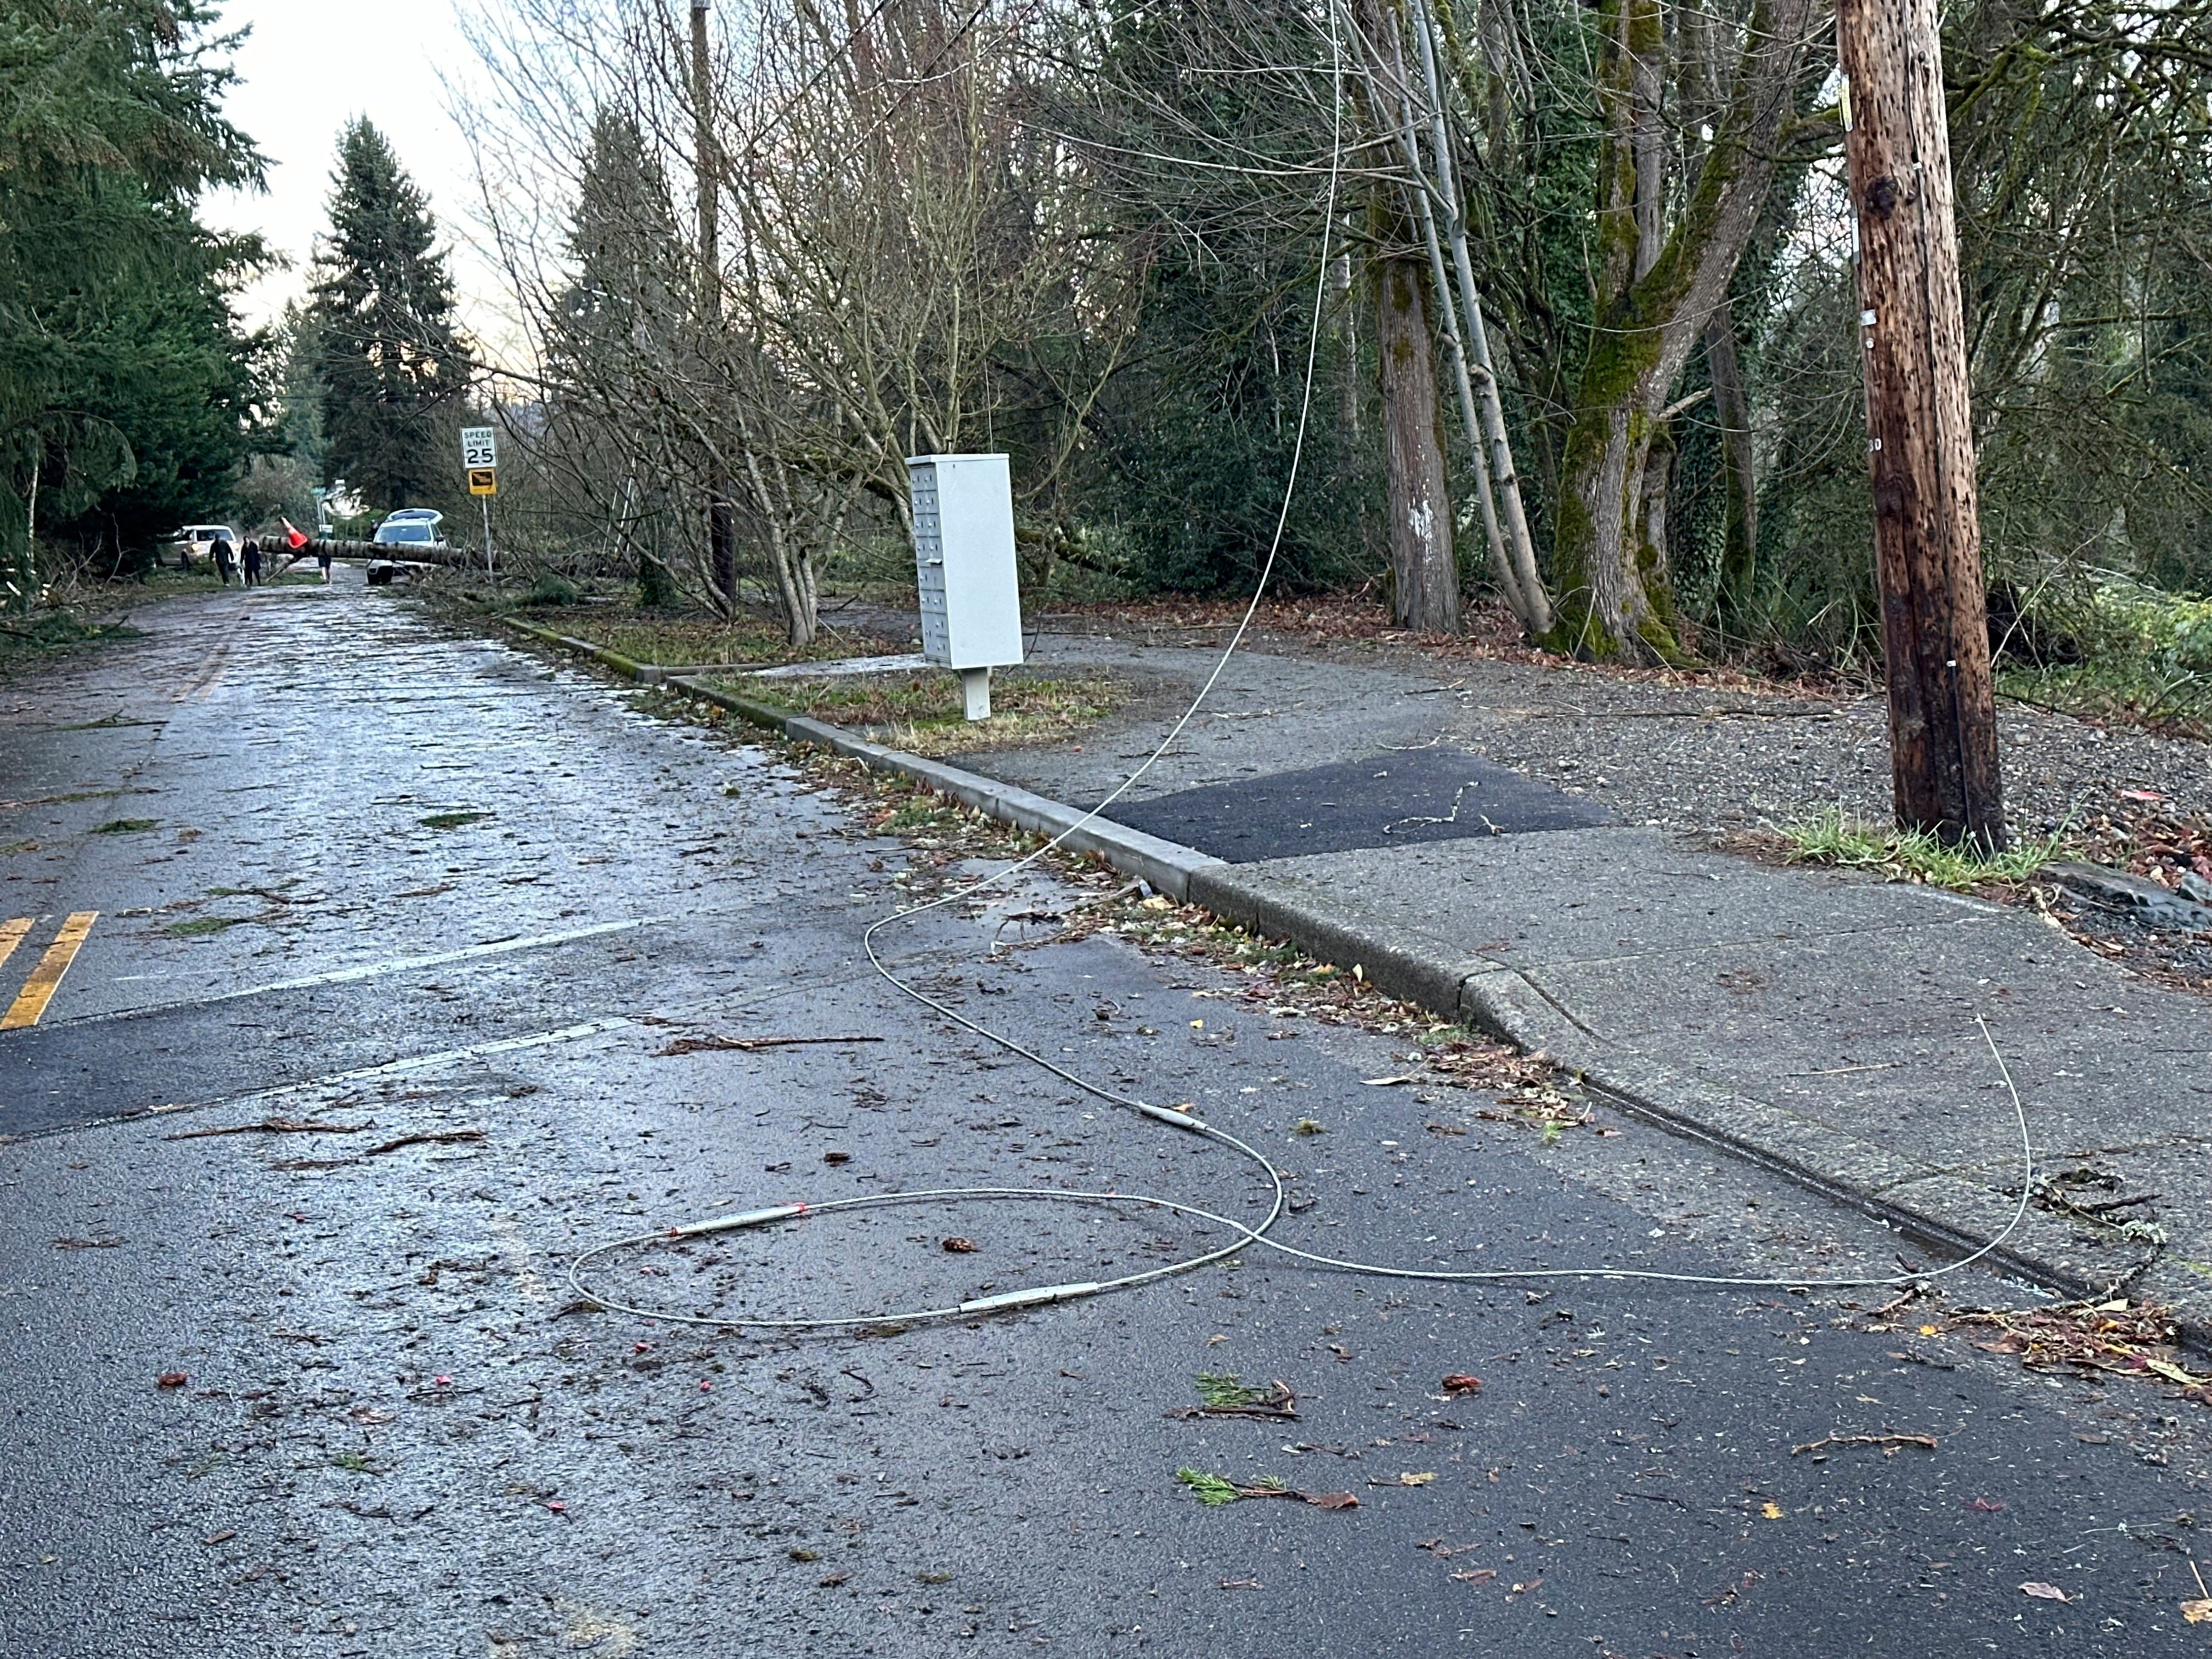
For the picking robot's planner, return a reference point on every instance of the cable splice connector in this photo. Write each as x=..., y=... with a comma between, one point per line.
x=1168, y=1115
x=1027, y=1298
x=723, y=1224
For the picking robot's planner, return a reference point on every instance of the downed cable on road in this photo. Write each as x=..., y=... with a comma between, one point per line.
x=1245, y=1234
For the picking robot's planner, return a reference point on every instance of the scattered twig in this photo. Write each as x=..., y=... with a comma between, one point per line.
x=1889, y=1308
x=748, y=1045
x=427, y=1137
x=274, y=1126
x=1927, y=1440
x=1279, y=1405
x=2104, y=1205
x=1221, y=1489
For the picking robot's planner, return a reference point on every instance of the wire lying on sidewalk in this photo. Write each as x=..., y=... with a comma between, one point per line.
x=1246, y=1234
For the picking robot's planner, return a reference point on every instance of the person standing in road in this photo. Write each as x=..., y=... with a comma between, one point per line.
x=250, y=556
x=220, y=550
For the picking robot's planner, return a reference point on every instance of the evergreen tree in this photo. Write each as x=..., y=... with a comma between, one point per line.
x=619, y=326
x=126, y=384
x=393, y=367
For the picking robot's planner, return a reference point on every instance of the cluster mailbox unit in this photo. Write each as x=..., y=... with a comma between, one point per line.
x=964, y=557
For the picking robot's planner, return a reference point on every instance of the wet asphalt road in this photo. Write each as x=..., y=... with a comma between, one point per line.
x=399, y=1436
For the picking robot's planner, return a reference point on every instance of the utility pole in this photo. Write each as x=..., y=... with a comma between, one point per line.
x=1920, y=440
x=722, y=530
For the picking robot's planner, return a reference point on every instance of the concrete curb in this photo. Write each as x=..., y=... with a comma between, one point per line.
x=1945, y=1213
x=1933, y=1207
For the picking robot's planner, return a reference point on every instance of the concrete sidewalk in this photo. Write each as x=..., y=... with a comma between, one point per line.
x=1823, y=1026
x=1820, y=1023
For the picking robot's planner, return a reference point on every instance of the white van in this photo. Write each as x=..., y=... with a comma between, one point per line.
x=194, y=540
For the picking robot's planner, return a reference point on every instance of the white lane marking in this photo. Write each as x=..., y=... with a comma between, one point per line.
x=397, y=965
x=729, y=1002
x=590, y=1028
x=467, y=953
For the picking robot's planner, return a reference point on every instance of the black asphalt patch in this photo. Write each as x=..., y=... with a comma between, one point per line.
x=1389, y=799
x=66, y=1074
x=81, y=1071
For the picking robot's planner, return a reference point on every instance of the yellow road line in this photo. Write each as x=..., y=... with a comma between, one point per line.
x=11, y=935
x=46, y=978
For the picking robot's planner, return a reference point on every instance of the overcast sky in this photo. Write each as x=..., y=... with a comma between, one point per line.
x=307, y=68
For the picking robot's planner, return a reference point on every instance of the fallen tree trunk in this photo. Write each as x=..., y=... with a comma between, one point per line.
x=399, y=552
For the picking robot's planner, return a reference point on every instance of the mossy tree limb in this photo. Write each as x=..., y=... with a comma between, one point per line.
x=1615, y=602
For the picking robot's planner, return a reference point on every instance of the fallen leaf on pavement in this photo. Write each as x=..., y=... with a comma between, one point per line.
x=1420, y=1479
x=2130, y=1339
x=1983, y=1506
x=2046, y=1593
x=1391, y=1082
x=1241, y=1583
x=1771, y=1509
x=1476, y=1576
x=173, y=1379
x=960, y=1246
x=831, y=1580
x=2199, y=1611
x=1460, y=1383
x=1531, y=1585
x=223, y=1537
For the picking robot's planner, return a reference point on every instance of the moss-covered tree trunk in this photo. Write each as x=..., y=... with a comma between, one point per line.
x=1616, y=601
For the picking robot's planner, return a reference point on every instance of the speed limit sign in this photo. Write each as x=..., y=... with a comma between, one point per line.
x=479, y=446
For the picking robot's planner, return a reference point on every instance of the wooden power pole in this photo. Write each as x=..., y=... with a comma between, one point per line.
x=1928, y=545
x=721, y=528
